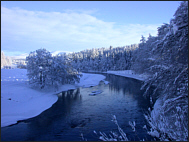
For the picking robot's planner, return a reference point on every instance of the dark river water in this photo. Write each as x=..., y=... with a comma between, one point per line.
x=77, y=112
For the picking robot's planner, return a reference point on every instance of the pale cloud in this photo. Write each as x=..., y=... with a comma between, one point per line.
x=81, y=11
x=26, y=31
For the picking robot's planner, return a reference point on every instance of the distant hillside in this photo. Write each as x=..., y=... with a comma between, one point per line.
x=22, y=56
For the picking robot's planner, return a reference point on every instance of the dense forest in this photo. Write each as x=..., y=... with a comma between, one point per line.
x=103, y=59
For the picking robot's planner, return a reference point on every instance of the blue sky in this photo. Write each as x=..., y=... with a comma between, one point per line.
x=77, y=25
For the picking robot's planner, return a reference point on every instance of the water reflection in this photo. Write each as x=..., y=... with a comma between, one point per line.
x=126, y=85
x=61, y=108
x=130, y=88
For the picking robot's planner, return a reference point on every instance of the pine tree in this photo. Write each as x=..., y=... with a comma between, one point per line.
x=170, y=76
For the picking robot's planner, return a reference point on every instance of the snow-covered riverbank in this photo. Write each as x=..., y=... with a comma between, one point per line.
x=19, y=101
x=129, y=73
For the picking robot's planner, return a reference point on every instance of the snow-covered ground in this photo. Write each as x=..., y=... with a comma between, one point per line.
x=19, y=101
x=88, y=80
x=129, y=73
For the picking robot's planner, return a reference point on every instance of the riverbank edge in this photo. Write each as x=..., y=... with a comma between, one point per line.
x=124, y=73
x=65, y=87
x=153, y=117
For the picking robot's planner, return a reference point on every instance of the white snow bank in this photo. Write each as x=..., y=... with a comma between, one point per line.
x=19, y=101
x=88, y=80
x=129, y=73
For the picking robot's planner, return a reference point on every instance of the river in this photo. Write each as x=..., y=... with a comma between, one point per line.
x=77, y=112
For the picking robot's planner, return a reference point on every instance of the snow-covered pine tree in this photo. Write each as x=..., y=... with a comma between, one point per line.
x=170, y=76
x=140, y=56
x=143, y=39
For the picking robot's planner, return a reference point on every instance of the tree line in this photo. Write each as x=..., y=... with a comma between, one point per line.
x=103, y=59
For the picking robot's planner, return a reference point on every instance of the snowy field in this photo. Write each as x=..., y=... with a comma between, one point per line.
x=19, y=101
x=129, y=73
